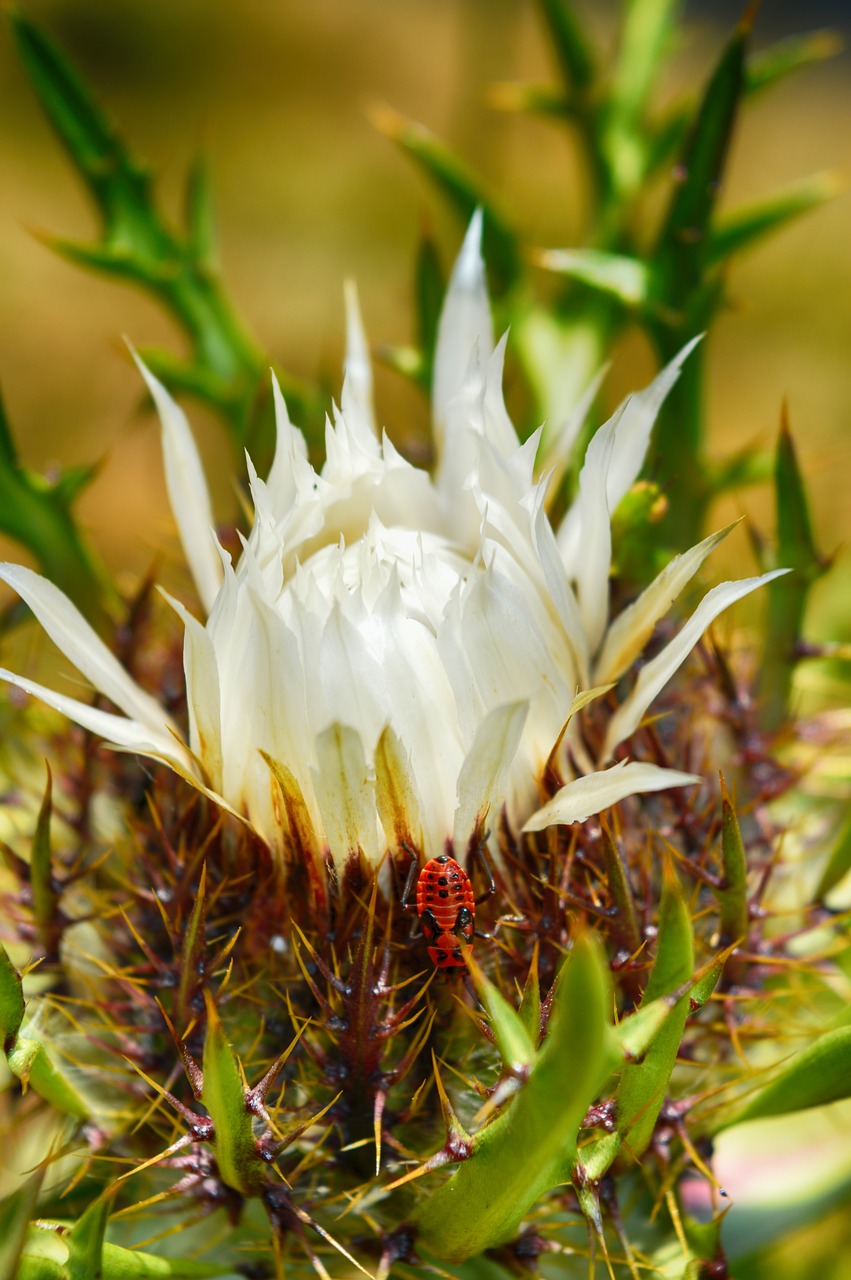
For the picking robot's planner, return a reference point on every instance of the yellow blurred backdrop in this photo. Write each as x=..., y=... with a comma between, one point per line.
x=307, y=192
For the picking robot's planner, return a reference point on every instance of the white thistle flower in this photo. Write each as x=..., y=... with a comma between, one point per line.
x=395, y=657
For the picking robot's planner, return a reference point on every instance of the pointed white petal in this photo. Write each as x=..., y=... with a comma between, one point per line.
x=659, y=670
x=346, y=797
x=143, y=739
x=399, y=806
x=591, y=518
x=69, y=630
x=483, y=780
x=290, y=460
x=556, y=452
x=630, y=427
x=357, y=385
x=636, y=424
x=465, y=322
x=187, y=491
x=633, y=627
x=586, y=796
x=203, y=694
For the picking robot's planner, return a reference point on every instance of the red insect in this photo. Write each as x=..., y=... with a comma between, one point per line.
x=447, y=908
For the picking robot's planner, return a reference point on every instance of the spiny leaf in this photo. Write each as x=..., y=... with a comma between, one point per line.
x=572, y=48
x=12, y=1004
x=820, y=1074
x=16, y=1212
x=647, y=29
x=746, y=227
x=732, y=895
x=117, y=182
x=223, y=1095
x=787, y=56
x=38, y=516
x=838, y=863
x=46, y=1257
x=41, y=868
x=200, y=222
x=194, y=946
x=463, y=189
x=787, y=596
x=643, y=1085
x=629, y=280
x=513, y=1040
x=86, y=1239
x=681, y=250
x=530, y=1004
x=429, y=292
x=37, y=1069
x=625, y=927
x=520, y=1153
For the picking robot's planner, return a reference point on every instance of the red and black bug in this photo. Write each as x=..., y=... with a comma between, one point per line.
x=446, y=908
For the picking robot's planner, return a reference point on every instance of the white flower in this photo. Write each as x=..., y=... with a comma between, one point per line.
x=395, y=657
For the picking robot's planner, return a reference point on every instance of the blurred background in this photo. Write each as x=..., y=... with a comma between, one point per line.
x=308, y=192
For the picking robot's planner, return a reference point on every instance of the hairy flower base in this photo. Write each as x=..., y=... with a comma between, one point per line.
x=293, y=1036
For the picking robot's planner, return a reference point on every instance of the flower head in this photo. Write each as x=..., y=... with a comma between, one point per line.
x=395, y=658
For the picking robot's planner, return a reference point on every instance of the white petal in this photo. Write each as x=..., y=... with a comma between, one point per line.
x=396, y=795
x=590, y=515
x=659, y=670
x=556, y=452
x=118, y=731
x=69, y=630
x=357, y=385
x=346, y=796
x=633, y=627
x=586, y=796
x=483, y=780
x=290, y=461
x=203, y=694
x=187, y=491
x=636, y=424
x=465, y=322
x=630, y=425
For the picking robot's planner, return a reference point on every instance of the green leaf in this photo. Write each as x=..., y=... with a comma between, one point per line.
x=787, y=56
x=15, y=1214
x=462, y=188
x=626, y=932
x=118, y=184
x=194, y=948
x=838, y=863
x=643, y=1085
x=200, y=222
x=733, y=894
x=38, y=516
x=513, y=1040
x=530, y=1004
x=820, y=1074
x=139, y=245
x=571, y=46
x=746, y=227
x=520, y=1154
x=46, y=1257
x=12, y=1004
x=787, y=596
x=614, y=274
x=223, y=1095
x=86, y=1240
x=682, y=247
x=647, y=30
x=30, y=1061
x=429, y=291
x=41, y=870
